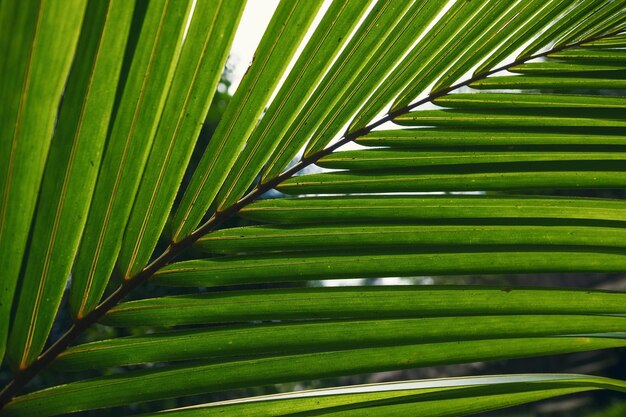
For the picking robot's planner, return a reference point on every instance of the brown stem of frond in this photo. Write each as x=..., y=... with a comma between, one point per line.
x=24, y=376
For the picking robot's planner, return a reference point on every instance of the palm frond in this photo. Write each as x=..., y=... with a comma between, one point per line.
x=503, y=99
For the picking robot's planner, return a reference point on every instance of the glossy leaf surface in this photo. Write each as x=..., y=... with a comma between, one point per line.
x=33, y=77
x=437, y=398
x=130, y=139
x=189, y=380
x=194, y=83
x=407, y=209
x=374, y=302
x=278, y=45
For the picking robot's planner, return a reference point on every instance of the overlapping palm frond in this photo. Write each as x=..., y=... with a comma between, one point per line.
x=509, y=100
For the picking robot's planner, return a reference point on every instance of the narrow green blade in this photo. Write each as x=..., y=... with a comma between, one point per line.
x=453, y=261
x=361, y=49
x=374, y=302
x=279, y=43
x=140, y=386
x=398, y=159
x=516, y=17
x=618, y=41
x=531, y=118
x=449, y=403
x=70, y=175
x=611, y=57
x=450, y=397
x=382, y=60
x=544, y=17
x=574, y=16
x=520, y=100
x=605, y=28
x=324, y=45
x=568, y=69
x=389, y=209
x=260, y=239
x=204, y=54
x=137, y=117
x=465, y=46
x=512, y=176
x=514, y=82
x=287, y=339
x=594, y=24
x=446, y=138
x=38, y=40
x=418, y=60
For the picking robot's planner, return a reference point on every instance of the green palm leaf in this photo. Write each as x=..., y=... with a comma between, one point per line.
x=132, y=132
x=196, y=379
x=69, y=177
x=359, y=303
x=278, y=45
x=412, y=209
x=193, y=86
x=103, y=105
x=33, y=76
x=286, y=339
x=438, y=398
